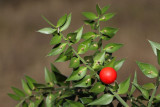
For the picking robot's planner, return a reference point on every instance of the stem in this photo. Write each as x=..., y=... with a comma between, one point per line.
x=120, y=99
x=151, y=99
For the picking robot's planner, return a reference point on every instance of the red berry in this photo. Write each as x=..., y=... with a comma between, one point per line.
x=108, y=75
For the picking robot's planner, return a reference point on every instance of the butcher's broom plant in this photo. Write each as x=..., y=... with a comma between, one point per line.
x=92, y=81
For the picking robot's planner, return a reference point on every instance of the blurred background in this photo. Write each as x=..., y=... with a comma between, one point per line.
x=23, y=51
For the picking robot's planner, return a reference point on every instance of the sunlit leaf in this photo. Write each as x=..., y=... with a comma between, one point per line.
x=84, y=46
x=158, y=56
x=112, y=47
x=142, y=90
x=74, y=63
x=47, y=30
x=14, y=97
x=18, y=92
x=85, y=82
x=148, y=86
x=118, y=64
x=98, y=9
x=89, y=35
x=134, y=81
x=78, y=74
x=97, y=88
x=86, y=100
x=56, y=39
x=62, y=20
x=154, y=46
x=26, y=88
x=66, y=25
x=103, y=100
x=57, y=50
x=124, y=86
x=93, y=46
x=108, y=32
x=89, y=15
x=30, y=82
x=148, y=70
x=106, y=17
x=79, y=34
x=104, y=9
x=50, y=100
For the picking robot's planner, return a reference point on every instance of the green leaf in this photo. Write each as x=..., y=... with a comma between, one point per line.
x=62, y=20
x=110, y=62
x=89, y=15
x=39, y=100
x=89, y=35
x=74, y=63
x=26, y=88
x=148, y=70
x=67, y=93
x=154, y=46
x=78, y=74
x=48, y=21
x=49, y=77
x=14, y=97
x=58, y=50
x=70, y=103
x=88, y=59
x=69, y=52
x=98, y=9
x=79, y=34
x=90, y=22
x=54, y=69
x=56, y=39
x=60, y=78
x=30, y=82
x=157, y=97
x=103, y=100
x=112, y=47
x=134, y=81
x=158, y=56
x=85, y=82
x=108, y=32
x=24, y=104
x=66, y=25
x=104, y=9
x=72, y=37
x=31, y=104
x=98, y=60
x=50, y=100
x=93, y=46
x=18, y=92
x=142, y=90
x=106, y=17
x=97, y=88
x=84, y=46
x=47, y=30
x=62, y=58
x=118, y=64
x=124, y=86
x=86, y=100
x=148, y=86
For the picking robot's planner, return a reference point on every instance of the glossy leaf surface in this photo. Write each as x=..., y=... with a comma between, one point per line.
x=148, y=70
x=124, y=86
x=57, y=50
x=103, y=100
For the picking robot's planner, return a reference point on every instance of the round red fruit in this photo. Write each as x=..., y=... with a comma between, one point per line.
x=108, y=75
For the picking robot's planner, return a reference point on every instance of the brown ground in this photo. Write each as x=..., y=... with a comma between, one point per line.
x=23, y=50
